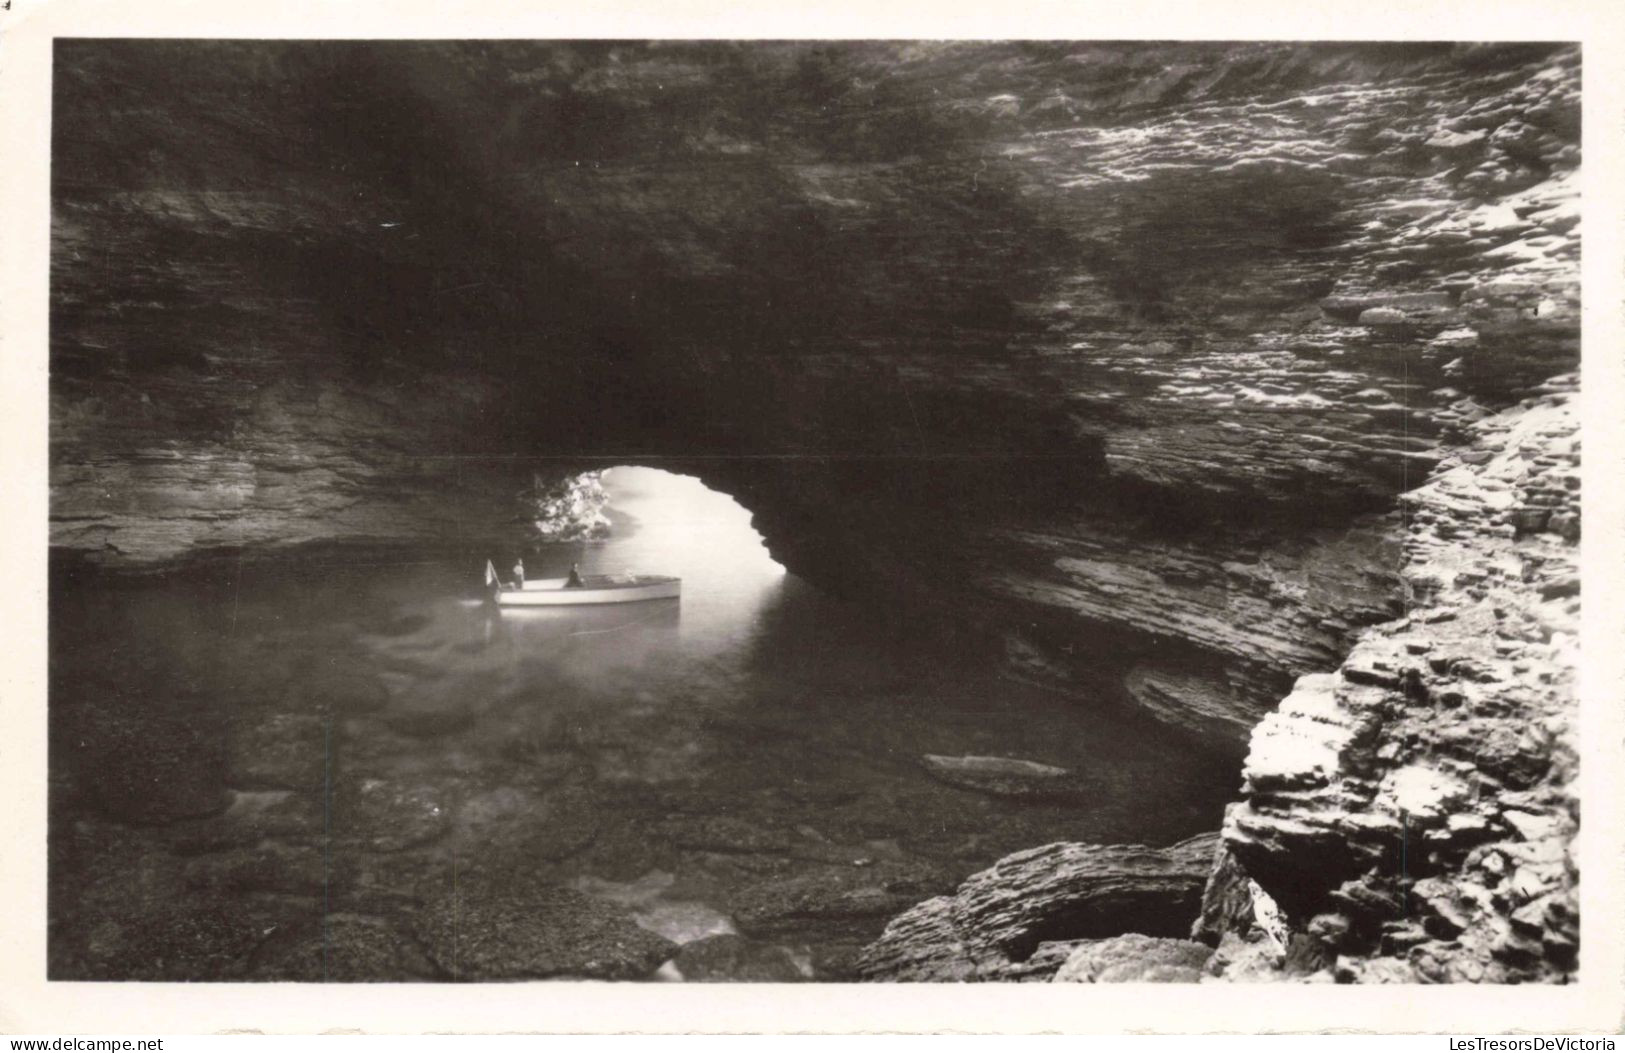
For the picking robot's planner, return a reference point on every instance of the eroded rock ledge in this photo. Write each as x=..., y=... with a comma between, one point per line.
x=1407, y=818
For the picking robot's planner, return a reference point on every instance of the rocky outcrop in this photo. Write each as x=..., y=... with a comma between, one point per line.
x=511, y=929
x=1408, y=818
x=1415, y=810
x=341, y=948
x=1205, y=632
x=1120, y=352
x=1021, y=918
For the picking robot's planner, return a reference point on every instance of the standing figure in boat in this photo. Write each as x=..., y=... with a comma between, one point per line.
x=519, y=573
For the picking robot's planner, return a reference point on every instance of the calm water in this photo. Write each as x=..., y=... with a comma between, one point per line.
x=281, y=772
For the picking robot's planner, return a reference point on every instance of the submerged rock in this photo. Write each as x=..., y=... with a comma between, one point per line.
x=1349, y=299
x=282, y=751
x=734, y=959
x=349, y=692
x=201, y=938
x=151, y=767
x=996, y=921
x=724, y=833
x=515, y=927
x=568, y=821
x=1345, y=297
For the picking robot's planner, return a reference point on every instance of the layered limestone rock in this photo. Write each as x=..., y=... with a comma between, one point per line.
x=149, y=471
x=1133, y=958
x=1209, y=630
x=1125, y=354
x=1415, y=810
x=1121, y=352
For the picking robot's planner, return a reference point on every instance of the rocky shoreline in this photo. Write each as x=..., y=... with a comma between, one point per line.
x=1408, y=818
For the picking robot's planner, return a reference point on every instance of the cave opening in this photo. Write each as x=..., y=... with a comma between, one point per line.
x=746, y=761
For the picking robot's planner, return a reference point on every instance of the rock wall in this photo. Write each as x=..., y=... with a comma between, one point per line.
x=1122, y=351
x=1417, y=807
x=149, y=472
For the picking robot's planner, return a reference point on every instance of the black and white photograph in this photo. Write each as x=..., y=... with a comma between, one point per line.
x=814, y=511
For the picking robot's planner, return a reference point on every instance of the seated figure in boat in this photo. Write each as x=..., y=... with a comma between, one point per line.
x=574, y=581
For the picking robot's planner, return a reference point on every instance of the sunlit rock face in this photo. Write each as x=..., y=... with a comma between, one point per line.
x=1119, y=352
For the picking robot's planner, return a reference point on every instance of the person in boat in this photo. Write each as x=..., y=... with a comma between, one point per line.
x=519, y=573
x=574, y=581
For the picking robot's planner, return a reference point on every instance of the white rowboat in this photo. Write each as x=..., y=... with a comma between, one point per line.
x=594, y=588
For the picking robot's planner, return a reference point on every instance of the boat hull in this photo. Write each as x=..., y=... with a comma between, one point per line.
x=552, y=592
